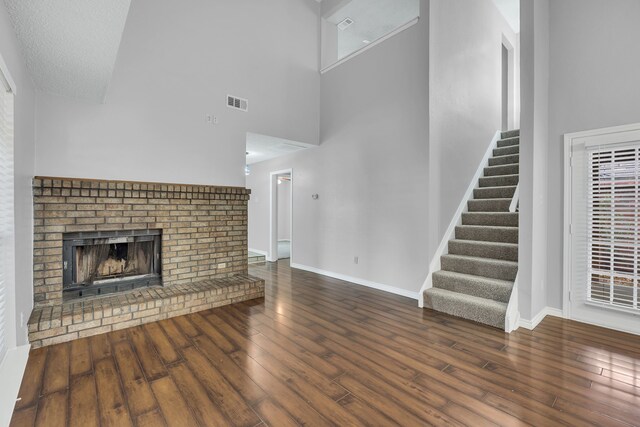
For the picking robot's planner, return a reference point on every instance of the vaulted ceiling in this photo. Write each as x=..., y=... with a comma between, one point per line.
x=70, y=46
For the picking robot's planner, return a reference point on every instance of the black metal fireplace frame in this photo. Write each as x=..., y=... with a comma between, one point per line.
x=71, y=241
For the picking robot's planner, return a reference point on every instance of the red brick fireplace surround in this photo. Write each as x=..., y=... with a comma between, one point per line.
x=203, y=252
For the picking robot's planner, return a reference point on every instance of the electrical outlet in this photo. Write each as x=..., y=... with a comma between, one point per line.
x=355, y=259
x=211, y=119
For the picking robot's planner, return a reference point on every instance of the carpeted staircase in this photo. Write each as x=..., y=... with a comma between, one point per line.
x=477, y=274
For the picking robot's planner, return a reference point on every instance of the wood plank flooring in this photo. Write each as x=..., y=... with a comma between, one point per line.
x=317, y=351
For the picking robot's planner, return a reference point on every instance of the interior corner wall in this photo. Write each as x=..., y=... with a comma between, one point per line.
x=532, y=268
x=24, y=158
x=594, y=69
x=370, y=171
x=176, y=64
x=465, y=98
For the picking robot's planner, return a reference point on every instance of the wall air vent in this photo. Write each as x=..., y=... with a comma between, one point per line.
x=237, y=103
x=346, y=22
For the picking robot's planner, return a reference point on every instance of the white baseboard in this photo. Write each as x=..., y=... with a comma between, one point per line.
x=358, y=281
x=547, y=311
x=11, y=372
x=259, y=252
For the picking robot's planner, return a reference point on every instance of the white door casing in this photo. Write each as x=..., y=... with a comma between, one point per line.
x=576, y=302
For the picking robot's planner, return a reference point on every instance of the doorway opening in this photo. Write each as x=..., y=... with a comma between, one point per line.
x=508, y=85
x=281, y=229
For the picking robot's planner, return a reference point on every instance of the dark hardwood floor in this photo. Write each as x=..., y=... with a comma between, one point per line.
x=317, y=351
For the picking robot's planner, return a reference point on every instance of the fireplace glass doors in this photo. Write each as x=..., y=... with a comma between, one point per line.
x=108, y=262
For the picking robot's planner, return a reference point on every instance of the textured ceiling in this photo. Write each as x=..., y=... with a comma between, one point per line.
x=70, y=46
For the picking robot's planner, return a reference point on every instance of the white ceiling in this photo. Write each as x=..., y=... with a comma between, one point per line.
x=511, y=11
x=70, y=46
x=372, y=20
x=264, y=147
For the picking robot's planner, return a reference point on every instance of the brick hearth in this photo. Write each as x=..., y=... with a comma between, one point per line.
x=82, y=318
x=204, y=252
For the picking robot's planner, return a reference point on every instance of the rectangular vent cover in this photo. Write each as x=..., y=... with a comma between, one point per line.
x=237, y=103
x=342, y=25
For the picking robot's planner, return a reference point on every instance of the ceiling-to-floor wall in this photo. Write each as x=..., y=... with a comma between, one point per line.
x=370, y=171
x=177, y=63
x=465, y=98
x=23, y=156
x=594, y=66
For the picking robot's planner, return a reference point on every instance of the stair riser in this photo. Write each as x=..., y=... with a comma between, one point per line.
x=494, y=193
x=505, y=235
x=505, y=160
x=493, y=318
x=495, y=219
x=499, y=181
x=480, y=268
x=471, y=287
x=508, y=142
x=515, y=149
x=489, y=205
x=470, y=248
x=502, y=170
x=510, y=134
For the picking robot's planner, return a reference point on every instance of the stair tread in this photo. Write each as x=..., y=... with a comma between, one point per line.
x=470, y=298
x=484, y=243
x=482, y=260
x=500, y=199
x=488, y=227
x=455, y=274
x=495, y=188
x=481, y=310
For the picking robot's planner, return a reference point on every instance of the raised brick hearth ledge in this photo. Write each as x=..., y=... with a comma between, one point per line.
x=83, y=318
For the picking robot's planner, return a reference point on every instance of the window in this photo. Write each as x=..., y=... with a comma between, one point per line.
x=6, y=207
x=348, y=27
x=613, y=218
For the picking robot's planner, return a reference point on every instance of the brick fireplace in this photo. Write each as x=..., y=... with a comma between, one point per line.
x=201, y=254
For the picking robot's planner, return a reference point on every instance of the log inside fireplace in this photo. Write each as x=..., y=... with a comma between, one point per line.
x=107, y=262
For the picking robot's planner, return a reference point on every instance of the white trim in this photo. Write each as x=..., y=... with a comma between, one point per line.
x=11, y=372
x=259, y=252
x=512, y=316
x=6, y=76
x=457, y=219
x=272, y=254
x=547, y=311
x=569, y=139
x=567, y=246
x=370, y=45
x=620, y=328
x=358, y=281
x=515, y=199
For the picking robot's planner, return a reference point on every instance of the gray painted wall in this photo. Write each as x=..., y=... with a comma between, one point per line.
x=594, y=83
x=24, y=155
x=465, y=98
x=176, y=64
x=369, y=172
x=373, y=168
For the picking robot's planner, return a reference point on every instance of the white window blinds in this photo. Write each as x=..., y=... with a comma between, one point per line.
x=6, y=208
x=613, y=218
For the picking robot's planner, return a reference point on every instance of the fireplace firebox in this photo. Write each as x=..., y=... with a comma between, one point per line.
x=106, y=262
